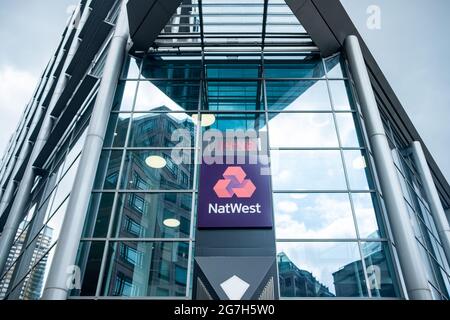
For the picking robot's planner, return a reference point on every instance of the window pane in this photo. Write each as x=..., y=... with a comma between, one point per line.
x=232, y=70
x=335, y=66
x=125, y=93
x=116, y=133
x=89, y=260
x=233, y=95
x=347, y=131
x=365, y=205
x=171, y=69
x=108, y=170
x=162, y=130
x=137, y=269
x=167, y=96
x=307, y=170
x=131, y=68
x=297, y=95
x=302, y=130
x=320, y=269
x=339, y=93
x=153, y=215
x=308, y=67
x=99, y=215
x=141, y=173
x=234, y=121
x=379, y=270
x=357, y=170
x=313, y=216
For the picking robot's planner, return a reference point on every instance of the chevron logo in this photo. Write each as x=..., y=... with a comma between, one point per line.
x=234, y=183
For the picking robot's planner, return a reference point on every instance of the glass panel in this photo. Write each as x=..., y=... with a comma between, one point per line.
x=347, y=131
x=302, y=130
x=171, y=69
x=307, y=170
x=116, y=133
x=379, y=269
x=232, y=70
x=304, y=67
x=235, y=95
x=162, y=130
x=313, y=216
x=99, y=215
x=320, y=269
x=167, y=96
x=108, y=170
x=339, y=92
x=365, y=205
x=297, y=95
x=154, y=215
x=335, y=66
x=235, y=121
x=89, y=260
x=137, y=269
x=141, y=172
x=125, y=93
x=357, y=170
x=131, y=68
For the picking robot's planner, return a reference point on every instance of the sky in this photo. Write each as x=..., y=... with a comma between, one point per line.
x=30, y=30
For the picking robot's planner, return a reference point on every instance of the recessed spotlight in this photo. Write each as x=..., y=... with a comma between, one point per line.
x=156, y=162
x=206, y=119
x=171, y=223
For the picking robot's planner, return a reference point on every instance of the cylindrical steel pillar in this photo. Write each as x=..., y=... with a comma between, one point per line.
x=405, y=242
x=56, y=287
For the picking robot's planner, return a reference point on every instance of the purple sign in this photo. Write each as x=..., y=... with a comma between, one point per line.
x=234, y=196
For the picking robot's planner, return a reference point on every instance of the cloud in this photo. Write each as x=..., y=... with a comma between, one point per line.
x=71, y=8
x=15, y=92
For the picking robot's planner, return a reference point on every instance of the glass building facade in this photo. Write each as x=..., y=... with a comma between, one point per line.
x=223, y=65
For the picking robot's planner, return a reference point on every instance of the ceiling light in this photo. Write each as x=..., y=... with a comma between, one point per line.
x=206, y=119
x=171, y=223
x=156, y=162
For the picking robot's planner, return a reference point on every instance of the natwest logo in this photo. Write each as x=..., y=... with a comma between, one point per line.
x=234, y=184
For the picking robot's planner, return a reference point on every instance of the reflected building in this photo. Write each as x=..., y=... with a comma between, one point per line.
x=97, y=154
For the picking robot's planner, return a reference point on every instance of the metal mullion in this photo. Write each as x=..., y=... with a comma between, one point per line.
x=347, y=182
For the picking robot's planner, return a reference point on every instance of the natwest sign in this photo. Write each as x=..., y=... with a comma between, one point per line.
x=234, y=196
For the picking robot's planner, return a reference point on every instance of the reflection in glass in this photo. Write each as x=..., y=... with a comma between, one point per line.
x=138, y=175
x=379, y=269
x=116, y=133
x=234, y=95
x=304, y=67
x=302, y=130
x=108, y=170
x=232, y=70
x=313, y=216
x=358, y=170
x=167, y=96
x=125, y=93
x=137, y=269
x=99, y=214
x=366, y=218
x=307, y=170
x=241, y=121
x=318, y=269
x=340, y=94
x=347, y=131
x=171, y=69
x=297, y=95
x=89, y=259
x=335, y=66
x=144, y=215
x=131, y=68
x=162, y=130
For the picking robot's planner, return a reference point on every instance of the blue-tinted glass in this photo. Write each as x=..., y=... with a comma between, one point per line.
x=162, y=130
x=138, y=269
x=313, y=216
x=308, y=67
x=99, y=215
x=302, y=130
x=320, y=269
x=171, y=69
x=131, y=68
x=297, y=95
x=340, y=93
x=148, y=215
x=158, y=170
x=307, y=170
x=125, y=94
x=235, y=121
x=234, y=95
x=89, y=260
x=167, y=96
x=116, y=133
x=358, y=170
x=335, y=67
x=348, y=132
x=108, y=170
x=232, y=70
